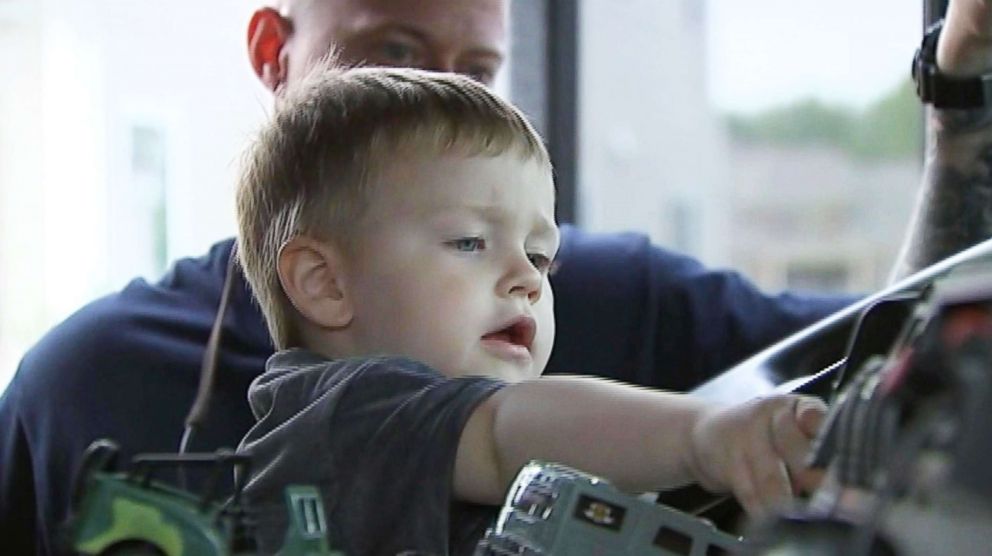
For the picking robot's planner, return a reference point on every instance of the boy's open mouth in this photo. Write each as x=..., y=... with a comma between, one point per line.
x=519, y=332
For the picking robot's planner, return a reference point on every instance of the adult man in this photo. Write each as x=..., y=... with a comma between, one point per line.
x=126, y=366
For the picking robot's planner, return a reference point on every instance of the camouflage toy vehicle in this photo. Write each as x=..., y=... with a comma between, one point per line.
x=130, y=512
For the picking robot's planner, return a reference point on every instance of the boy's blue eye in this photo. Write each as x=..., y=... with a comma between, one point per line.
x=468, y=244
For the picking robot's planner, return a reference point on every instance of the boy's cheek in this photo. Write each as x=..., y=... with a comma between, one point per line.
x=541, y=353
x=545, y=338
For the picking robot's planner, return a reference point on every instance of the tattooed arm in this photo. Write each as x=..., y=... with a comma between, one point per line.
x=954, y=209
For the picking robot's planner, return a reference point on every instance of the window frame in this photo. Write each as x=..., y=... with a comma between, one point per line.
x=544, y=83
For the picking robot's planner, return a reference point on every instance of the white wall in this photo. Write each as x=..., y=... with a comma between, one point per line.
x=80, y=75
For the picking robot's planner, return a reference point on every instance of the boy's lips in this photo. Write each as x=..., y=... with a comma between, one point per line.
x=519, y=331
x=513, y=340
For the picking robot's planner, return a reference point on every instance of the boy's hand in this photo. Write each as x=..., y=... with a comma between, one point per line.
x=757, y=450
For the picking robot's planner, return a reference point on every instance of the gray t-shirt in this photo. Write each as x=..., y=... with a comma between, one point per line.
x=378, y=437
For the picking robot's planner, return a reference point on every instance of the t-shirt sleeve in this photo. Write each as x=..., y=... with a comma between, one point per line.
x=378, y=437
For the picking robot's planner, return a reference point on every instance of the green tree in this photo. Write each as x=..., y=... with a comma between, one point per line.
x=891, y=127
x=888, y=128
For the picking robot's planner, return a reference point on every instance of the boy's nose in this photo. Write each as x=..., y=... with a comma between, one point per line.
x=522, y=279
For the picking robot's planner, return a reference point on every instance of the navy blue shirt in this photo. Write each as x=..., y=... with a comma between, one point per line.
x=126, y=366
x=378, y=437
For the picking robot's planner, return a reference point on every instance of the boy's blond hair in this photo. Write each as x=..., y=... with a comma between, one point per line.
x=312, y=168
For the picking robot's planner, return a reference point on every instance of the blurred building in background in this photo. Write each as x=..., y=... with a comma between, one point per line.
x=811, y=218
x=811, y=192
x=653, y=155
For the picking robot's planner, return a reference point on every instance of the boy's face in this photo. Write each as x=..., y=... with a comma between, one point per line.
x=451, y=265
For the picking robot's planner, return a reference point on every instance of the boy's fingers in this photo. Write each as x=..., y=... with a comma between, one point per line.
x=761, y=487
x=789, y=441
x=759, y=478
x=792, y=434
x=809, y=414
x=770, y=472
x=742, y=485
x=767, y=455
x=774, y=487
x=807, y=480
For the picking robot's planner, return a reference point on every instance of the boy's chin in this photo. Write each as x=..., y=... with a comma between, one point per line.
x=510, y=372
x=501, y=370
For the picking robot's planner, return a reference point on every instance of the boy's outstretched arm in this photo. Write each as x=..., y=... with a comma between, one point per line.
x=639, y=439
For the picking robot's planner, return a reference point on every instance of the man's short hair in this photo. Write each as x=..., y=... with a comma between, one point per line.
x=312, y=168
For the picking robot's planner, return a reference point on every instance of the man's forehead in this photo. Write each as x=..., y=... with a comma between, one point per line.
x=482, y=16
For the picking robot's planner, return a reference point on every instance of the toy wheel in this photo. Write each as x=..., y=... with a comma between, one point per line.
x=133, y=548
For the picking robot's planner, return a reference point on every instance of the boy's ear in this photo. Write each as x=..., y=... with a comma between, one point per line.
x=312, y=275
x=267, y=35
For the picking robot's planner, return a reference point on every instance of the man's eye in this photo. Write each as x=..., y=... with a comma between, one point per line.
x=468, y=244
x=398, y=53
x=541, y=262
x=482, y=74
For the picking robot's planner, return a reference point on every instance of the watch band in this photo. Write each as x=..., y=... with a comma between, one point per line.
x=941, y=90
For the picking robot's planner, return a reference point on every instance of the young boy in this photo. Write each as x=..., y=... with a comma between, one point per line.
x=397, y=228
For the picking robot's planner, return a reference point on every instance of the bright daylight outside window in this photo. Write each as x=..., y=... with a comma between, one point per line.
x=781, y=138
x=118, y=148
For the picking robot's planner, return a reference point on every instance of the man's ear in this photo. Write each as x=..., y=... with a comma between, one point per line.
x=312, y=275
x=267, y=35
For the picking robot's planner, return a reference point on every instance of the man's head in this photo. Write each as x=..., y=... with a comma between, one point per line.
x=402, y=212
x=460, y=36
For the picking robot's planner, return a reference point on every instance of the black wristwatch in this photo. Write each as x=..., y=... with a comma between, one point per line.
x=941, y=90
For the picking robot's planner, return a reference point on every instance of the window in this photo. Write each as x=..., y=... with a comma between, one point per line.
x=144, y=203
x=118, y=148
x=762, y=135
